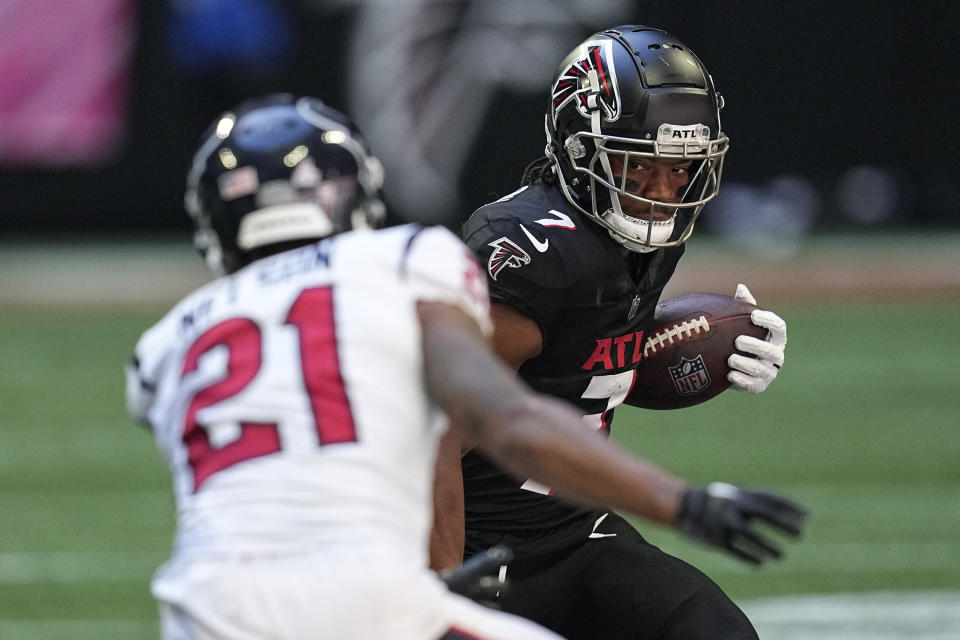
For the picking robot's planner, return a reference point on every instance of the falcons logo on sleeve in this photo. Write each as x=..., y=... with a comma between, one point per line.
x=505, y=254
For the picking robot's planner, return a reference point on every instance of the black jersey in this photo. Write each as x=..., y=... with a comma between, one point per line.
x=592, y=303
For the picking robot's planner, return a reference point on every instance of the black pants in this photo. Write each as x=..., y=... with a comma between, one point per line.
x=621, y=588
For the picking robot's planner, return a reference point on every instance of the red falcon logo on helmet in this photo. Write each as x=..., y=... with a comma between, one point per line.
x=575, y=84
x=505, y=254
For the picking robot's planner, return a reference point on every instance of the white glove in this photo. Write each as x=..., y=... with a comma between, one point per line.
x=754, y=374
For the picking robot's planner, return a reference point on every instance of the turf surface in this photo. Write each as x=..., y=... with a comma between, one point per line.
x=861, y=427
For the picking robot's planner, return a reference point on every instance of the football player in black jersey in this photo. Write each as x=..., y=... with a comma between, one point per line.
x=576, y=259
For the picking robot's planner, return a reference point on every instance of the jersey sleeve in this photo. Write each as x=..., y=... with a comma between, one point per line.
x=438, y=266
x=530, y=279
x=143, y=371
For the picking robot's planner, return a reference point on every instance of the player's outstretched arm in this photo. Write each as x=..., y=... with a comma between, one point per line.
x=531, y=435
x=535, y=436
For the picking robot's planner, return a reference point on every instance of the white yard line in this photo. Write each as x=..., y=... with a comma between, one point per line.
x=66, y=567
x=913, y=615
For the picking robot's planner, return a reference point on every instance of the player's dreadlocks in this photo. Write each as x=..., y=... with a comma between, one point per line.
x=540, y=170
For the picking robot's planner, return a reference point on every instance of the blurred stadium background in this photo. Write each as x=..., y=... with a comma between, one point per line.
x=840, y=208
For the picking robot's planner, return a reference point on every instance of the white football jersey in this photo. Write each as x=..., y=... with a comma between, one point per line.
x=288, y=398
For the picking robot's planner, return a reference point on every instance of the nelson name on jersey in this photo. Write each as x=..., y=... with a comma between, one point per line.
x=294, y=262
x=268, y=272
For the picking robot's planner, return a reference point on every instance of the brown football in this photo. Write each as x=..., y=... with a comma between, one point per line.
x=686, y=348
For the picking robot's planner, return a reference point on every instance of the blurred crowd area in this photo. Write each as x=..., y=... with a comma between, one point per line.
x=840, y=114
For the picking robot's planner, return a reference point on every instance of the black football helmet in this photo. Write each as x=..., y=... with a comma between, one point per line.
x=275, y=171
x=635, y=91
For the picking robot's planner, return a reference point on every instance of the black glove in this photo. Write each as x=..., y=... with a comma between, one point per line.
x=476, y=577
x=721, y=515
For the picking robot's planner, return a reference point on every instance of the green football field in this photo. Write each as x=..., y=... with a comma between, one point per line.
x=862, y=427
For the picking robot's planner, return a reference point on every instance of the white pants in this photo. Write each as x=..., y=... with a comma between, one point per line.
x=329, y=595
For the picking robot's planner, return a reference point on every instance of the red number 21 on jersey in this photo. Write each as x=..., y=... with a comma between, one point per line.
x=312, y=315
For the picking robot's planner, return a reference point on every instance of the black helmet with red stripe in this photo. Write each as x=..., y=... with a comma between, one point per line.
x=635, y=91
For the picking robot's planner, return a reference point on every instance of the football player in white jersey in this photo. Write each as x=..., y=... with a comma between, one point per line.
x=299, y=399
